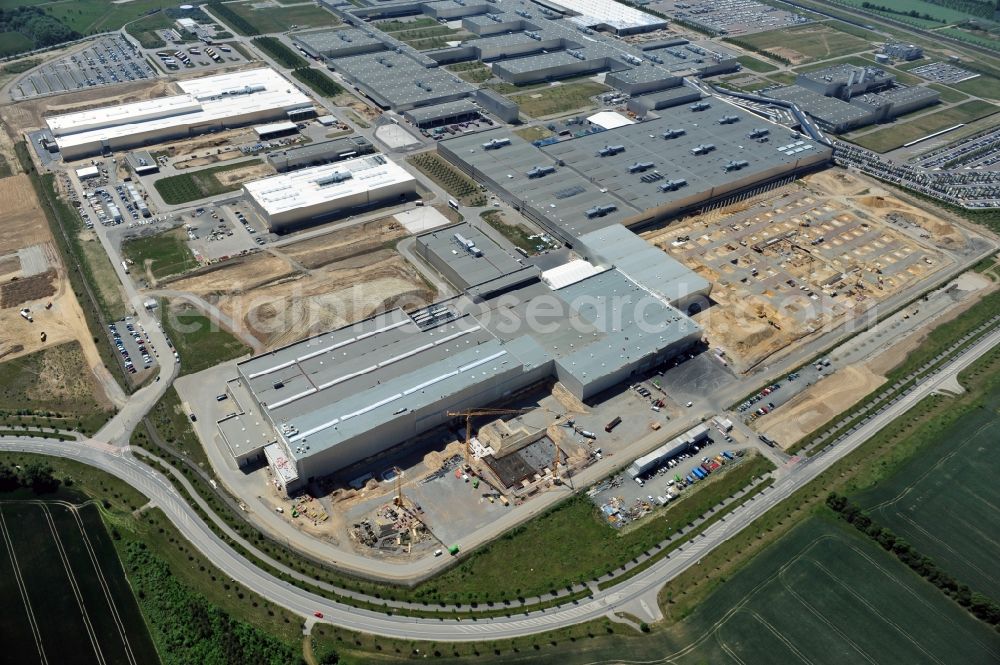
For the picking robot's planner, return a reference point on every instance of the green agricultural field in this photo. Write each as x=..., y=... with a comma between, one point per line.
x=282, y=19
x=941, y=15
x=946, y=502
x=160, y=255
x=50, y=549
x=895, y=135
x=198, y=184
x=981, y=86
x=534, y=133
x=199, y=342
x=756, y=64
x=805, y=43
x=14, y=42
x=559, y=99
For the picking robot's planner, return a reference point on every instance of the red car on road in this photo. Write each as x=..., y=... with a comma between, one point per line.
x=318, y=615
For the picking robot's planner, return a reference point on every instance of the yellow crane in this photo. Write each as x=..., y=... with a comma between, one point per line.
x=469, y=414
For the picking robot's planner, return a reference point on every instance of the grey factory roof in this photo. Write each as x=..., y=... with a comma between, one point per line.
x=826, y=109
x=666, y=98
x=635, y=323
x=842, y=73
x=901, y=94
x=331, y=42
x=490, y=263
x=426, y=114
x=399, y=80
x=645, y=73
x=323, y=150
x=531, y=63
x=632, y=180
x=337, y=385
x=644, y=263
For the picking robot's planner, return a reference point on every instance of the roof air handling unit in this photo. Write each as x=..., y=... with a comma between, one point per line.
x=758, y=133
x=540, y=171
x=495, y=144
x=728, y=119
x=639, y=167
x=673, y=185
x=600, y=211
x=700, y=106
x=333, y=178
x=703, y=148
x=673, y=133
x=736, y=165
x=610, y=150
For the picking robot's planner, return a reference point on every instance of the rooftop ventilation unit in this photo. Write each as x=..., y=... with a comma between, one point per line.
x=700, y=106
x=495, y=144
x=628, y=57
x=600, y=211
x=523, y=14
x=577, y=55
x=540, y=171
x=703, y=148
x=729, y=119
x=495, y=17
x=610, y=150
x=758, y=133
x=678, y=54
x=530, y=34
x=673, y=185
x=333, y=178
x=736, y=165
x=673, y=133
x=652, y=177
x=639, y=167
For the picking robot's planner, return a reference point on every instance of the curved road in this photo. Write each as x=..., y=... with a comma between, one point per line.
x=119, y=462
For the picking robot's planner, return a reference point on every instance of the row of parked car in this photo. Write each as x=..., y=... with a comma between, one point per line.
x=147, y=360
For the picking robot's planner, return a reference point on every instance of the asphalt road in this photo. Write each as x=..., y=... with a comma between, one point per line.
x=119, y=462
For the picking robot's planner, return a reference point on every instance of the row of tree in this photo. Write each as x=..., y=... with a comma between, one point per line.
x=976, y=603
x=42, y=29
x=913, y=13
x=36, y=476
x=981, y=8
x=232, y=19
x=189, y=629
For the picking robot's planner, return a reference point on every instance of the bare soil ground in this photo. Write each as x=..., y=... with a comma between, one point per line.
x=342, y=244
x=36, y=287
x=819, y=403
x=757, y=317
x=288, y=293
x=242, y=174
x=208, y=161
x=212, y=146
x=23, y=222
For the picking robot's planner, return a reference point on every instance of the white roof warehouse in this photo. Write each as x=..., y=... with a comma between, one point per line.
x=301, y=197
x=207, y=104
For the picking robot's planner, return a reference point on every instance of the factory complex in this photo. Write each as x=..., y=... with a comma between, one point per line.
x=637, y=173
x=614, y=310
x=209, y=103
x=844, y=97
x=523, y=42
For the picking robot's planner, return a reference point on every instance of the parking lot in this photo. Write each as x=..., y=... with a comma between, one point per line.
x=223, y=231
x=942, y=72
x=107, y=61
x=176, y=57
x=732, y=17
x=135, y=351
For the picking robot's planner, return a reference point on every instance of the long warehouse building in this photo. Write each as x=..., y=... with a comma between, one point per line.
x=207, y=104
x=299, y=198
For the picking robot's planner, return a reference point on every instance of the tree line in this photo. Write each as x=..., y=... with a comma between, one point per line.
x=976, y=603
x=43, y=30
x=35, y=476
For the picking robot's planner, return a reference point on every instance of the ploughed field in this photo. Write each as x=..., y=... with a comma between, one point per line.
x=946, y=501
x=63, y=590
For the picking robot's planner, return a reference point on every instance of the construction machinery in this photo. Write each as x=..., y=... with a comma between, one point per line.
x=398, y=501
x=469, y=414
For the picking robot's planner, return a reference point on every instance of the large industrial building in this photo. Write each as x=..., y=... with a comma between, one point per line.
x=207, y=104
x=299, y=198
x=317, y=406
x=638, y=173
x=844, y=97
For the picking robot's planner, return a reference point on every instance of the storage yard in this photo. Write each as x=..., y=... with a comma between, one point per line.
x=800, y=260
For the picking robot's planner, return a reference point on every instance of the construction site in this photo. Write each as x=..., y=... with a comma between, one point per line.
x=793, y=263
